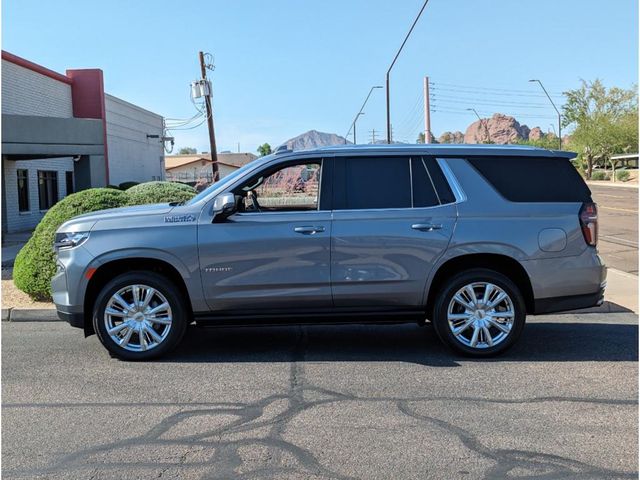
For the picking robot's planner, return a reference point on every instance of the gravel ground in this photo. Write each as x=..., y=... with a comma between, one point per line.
x=14, y=298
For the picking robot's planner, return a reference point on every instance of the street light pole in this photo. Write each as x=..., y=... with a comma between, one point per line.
x=555, y=108
x=354, y=127
x=353, y=124
x=391, y=66
x=486, y=128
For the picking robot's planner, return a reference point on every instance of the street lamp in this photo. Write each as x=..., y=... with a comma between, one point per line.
x=486, y=128
x=555, y=108
x=353, y=124
x=391, y=66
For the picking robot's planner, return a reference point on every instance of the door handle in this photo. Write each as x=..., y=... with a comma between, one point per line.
x=309, y=230
x=426, y=227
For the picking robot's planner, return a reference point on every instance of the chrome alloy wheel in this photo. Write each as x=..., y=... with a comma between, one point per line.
x=480, y=315
x=138, y=318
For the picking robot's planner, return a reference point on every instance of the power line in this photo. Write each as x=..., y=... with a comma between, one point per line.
x=488, y=89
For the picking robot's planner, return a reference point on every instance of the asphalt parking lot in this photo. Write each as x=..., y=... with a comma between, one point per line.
x=618, y=222
x=344, y=402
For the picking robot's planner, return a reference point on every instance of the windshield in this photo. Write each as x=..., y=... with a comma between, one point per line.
x=221, y=183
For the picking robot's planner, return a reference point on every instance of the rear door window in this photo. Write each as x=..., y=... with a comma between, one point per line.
x=533, y=179
x=430, y=187
x=372, y=183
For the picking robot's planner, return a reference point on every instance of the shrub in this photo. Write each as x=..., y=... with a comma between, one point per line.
x=35, y=263
x=159, y=192
x=622, y=175
x=127, y=185
x=600, y=175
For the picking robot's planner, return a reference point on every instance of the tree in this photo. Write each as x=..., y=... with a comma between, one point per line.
x=264, y=149
x=548, y=142
x=421, y=137
x=187, y=151
x=605, y=121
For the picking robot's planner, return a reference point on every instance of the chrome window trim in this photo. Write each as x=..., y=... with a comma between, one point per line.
x=458, y=193
x=435, y=190
x=411, y=179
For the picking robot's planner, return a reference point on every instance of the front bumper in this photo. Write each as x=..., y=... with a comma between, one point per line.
x=69, y=284
x=72, y=318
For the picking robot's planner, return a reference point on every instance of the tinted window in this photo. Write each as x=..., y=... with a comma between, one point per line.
x=529, y=179
x=23, y=190
x=424, y=193
x=430, y=187
x=439, y=180
x=47, y=189
x=372, y=182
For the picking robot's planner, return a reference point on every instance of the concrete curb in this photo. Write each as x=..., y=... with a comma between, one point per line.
x=30, y=315
x=608, y=183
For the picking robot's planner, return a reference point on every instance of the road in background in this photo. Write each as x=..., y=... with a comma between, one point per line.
x=618, y=222
x=324, y=402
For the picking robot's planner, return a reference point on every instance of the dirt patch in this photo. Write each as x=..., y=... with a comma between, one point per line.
x=14, y=298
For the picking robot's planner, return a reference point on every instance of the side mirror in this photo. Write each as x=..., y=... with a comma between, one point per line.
x=224, y=205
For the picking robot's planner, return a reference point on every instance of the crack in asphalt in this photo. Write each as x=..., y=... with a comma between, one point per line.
x=230, y=442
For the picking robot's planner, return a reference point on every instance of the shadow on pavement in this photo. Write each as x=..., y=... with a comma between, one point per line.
x=540, y=342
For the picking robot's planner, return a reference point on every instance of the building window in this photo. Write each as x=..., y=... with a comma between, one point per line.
x=69, y=181
x=23, y=190
x=47, y=188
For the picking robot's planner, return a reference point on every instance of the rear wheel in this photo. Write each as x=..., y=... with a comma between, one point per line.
x=139, y=316
x=479, y=313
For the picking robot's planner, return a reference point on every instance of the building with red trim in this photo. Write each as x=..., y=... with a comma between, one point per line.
x=62, y=133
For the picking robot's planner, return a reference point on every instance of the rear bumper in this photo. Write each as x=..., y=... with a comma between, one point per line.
x=571, y=302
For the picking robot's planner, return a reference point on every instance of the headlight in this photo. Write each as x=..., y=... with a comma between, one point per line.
x=70, y=239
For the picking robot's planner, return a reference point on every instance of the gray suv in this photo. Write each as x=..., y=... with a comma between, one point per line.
x=470, y=237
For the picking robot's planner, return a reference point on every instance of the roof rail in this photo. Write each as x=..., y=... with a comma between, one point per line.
x=282, y=149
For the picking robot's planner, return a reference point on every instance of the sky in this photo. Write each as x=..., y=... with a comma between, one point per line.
x=285, y=67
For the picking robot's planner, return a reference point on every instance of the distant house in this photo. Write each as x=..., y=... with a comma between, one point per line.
x=191, y=168
x=62, y=133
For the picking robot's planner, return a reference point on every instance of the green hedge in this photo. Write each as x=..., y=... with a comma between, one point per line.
x=127, y=185
x=35, y=263
x=159, y=192
x=600, y=176
x=622, y=175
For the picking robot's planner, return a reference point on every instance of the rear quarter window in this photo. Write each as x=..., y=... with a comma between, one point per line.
x=533, y=179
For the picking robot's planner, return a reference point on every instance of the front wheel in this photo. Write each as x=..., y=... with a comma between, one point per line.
x=139, y=316
x=479, y=313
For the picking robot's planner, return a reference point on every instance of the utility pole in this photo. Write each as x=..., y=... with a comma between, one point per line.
x=427, y=112
x=373, y=136
x=212, y=135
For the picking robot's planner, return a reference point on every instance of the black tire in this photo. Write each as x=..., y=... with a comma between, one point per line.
x=452, y=285
x=172, y=294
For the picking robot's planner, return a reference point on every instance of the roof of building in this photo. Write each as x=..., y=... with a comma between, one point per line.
x=229, y=159
x=439, y=149
x=176, y=161
x=622, y=156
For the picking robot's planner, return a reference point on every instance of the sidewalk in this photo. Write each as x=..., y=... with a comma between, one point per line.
x=622, y=289
x=11, y=245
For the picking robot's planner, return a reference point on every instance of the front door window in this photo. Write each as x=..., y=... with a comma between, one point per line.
x=289, y=189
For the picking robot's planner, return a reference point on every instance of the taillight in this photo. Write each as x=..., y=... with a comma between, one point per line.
x=589, y=223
